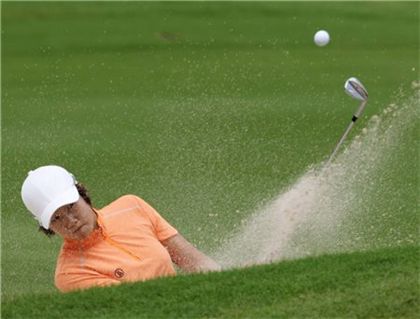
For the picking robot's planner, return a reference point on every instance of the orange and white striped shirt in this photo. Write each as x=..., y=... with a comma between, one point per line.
x=125, y=247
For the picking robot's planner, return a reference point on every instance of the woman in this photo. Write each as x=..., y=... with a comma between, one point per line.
x=125, y=241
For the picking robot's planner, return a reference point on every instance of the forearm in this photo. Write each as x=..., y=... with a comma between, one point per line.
x=189, y=258
x=195, y=261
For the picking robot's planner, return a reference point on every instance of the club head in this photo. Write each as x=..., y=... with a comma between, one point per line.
x=355, y=89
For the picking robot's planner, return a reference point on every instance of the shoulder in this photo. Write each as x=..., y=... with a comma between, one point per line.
x=124, y=204
x=124, y=201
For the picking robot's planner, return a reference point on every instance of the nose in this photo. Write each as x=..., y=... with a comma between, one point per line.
x=70, y=220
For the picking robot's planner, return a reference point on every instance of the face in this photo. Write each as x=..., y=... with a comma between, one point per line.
x=74, y=221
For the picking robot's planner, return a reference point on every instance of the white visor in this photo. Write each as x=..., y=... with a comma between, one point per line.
x=46, y=189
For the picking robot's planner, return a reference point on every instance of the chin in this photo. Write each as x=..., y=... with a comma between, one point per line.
x=82, y=233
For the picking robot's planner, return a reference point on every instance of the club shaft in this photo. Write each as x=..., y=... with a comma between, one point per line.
x=353, y=120
x=360, y=109
x=340, y=142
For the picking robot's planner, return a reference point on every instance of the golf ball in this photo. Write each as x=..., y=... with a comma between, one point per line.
x=321, y=38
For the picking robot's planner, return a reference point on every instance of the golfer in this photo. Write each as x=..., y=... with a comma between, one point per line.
x=125, y=241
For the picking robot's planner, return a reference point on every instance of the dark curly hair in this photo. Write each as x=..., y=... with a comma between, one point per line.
x=83, y=192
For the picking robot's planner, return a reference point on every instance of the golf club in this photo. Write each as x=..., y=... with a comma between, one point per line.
x=356, y=90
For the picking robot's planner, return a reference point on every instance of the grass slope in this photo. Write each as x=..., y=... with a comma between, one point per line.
x=362, y=285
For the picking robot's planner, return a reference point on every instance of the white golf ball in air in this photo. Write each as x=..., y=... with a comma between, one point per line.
x=321, y=38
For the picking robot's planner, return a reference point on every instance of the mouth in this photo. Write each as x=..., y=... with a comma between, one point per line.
x=77, y=229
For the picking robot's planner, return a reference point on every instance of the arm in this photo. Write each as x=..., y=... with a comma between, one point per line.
x=187, y=257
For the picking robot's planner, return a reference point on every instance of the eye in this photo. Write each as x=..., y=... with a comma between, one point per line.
x=56, y=217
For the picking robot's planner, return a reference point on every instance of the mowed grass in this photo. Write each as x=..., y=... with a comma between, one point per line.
x=206, y=110
x=360, y=285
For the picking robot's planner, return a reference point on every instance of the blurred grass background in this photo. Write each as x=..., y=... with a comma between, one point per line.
x=204, y=109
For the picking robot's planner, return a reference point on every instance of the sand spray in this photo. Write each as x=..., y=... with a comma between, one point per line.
x=319, y=213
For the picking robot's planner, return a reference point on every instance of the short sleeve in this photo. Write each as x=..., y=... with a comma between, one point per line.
x=162, y=228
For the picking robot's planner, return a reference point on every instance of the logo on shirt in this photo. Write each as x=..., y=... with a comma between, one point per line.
x=119, y=273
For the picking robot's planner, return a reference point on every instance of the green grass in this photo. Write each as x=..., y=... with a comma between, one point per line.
x=218, y=120
x=360, y=285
